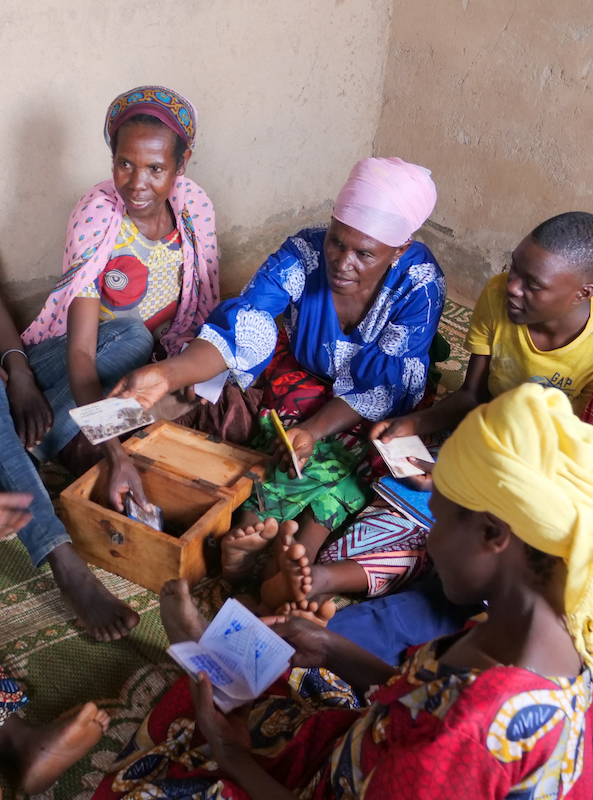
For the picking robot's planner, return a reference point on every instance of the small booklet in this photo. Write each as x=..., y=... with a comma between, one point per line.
x=396, y=453
x=412, y=503
x=212, y=389
x=105, y=419
x=238, y=652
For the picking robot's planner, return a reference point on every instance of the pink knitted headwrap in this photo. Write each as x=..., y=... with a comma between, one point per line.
x=386, y=198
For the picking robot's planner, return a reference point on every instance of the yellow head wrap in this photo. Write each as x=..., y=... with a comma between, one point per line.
x=527, y=459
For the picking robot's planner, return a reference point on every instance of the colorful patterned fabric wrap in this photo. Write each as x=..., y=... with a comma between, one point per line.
x=170, y=107
x=390, y=549
x=142, y=279
x=11, y=697
x=91, y=238
x=434, y=731
x=330, y=485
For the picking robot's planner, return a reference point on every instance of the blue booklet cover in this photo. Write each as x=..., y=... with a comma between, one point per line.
x=412, y=503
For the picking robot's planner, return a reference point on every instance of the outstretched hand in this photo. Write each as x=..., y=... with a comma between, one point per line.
x=147, y=385
x=14, y=511
x=311, y=642
x=422, y=483
x=389, y=429
x=303, y=443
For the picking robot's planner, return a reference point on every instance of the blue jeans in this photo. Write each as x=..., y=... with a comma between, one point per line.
x=122, y=346
x=18, y=474
x=387, y=626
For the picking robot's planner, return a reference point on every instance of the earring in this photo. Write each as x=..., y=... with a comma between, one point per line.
x=395, y=263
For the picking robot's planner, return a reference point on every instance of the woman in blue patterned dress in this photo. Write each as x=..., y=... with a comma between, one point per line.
x=361, y=304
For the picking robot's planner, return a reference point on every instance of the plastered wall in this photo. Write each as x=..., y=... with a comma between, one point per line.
x=496, y=98
x=288, y=93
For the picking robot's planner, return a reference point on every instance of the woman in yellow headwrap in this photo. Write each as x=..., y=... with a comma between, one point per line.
x=500, y=712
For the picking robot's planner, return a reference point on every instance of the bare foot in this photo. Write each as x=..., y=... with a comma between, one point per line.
x=103, y=615
x=48, y=751
x=309, y=609
x=293, y=582
x=241, y=545
x=181, y=619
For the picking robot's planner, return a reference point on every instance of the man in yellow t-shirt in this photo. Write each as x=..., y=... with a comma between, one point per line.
x=532, y=323
x=514, y=356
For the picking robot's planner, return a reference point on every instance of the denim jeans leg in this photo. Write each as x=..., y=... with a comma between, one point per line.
x=18, y=474
x=122, y=345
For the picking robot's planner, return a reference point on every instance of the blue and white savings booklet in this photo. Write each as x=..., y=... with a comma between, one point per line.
x=238, y=652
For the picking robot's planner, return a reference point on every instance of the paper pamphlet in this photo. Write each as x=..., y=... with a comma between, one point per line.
x=212, y=389
x=238, y=652
x=396, y=453
x=108, y=418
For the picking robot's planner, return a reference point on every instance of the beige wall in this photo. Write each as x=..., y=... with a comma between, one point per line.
x=496, y=98
x=288, y=93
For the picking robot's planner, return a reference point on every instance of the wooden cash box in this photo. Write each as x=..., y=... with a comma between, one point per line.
x=197, y=480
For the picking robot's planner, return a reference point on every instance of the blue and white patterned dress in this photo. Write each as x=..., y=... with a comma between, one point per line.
x=379, y=369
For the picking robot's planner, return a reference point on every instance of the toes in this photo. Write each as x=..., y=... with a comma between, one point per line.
x=296, y=551
x=327, y=610
x=132, y=619
x=103, y=719
x=87, y=714
x=121, y=627
x=269, y=528
x=289, y=528
x=100, y=634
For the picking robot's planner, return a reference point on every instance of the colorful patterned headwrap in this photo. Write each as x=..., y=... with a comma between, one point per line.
x=171, y=108
x=386, y=198
x=527, y=459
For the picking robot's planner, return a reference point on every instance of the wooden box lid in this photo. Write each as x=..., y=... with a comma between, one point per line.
x=204, y=459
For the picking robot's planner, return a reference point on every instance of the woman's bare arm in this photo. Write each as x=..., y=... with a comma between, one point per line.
x=447, y=413
x=199, y=362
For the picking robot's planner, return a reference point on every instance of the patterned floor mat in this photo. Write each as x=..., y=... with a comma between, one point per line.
x=43, y=647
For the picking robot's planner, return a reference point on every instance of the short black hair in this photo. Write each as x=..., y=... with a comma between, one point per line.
x=179, y=146
x=568, y=235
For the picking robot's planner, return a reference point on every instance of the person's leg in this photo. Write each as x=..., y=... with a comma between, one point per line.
x=388, y=626
x=45, y=531
x=103, y=615
x=298, y=580
x=181, y=619
x=311, y=534
x=122, y=346
x=45, y=752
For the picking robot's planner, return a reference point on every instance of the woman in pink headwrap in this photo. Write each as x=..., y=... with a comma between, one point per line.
x=361, y=304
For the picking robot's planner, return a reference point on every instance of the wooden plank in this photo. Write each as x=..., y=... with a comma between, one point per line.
x=192, y=453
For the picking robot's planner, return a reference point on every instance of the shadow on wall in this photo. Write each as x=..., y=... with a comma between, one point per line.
x=35, y=172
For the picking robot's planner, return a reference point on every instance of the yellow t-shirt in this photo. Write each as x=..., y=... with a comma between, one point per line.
x=514, y=359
